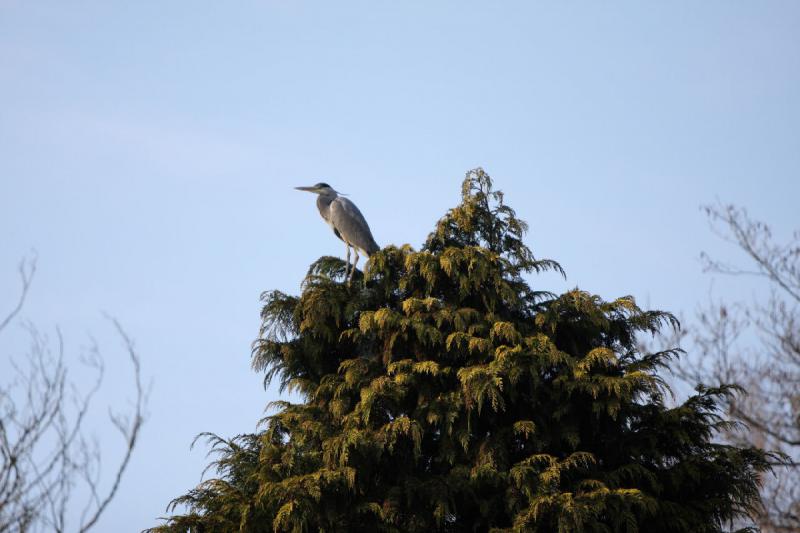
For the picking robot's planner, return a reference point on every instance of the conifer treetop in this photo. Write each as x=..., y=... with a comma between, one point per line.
x=441, y=392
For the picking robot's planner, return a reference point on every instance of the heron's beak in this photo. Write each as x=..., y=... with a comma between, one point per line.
x=307, y=189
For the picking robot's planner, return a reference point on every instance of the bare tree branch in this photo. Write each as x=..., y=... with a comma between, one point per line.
x=27, y=269
x=757, y=345
x=779, y=263
x=44, y=452
x=130, y=431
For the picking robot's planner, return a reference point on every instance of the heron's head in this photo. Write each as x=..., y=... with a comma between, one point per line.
x=323, y=189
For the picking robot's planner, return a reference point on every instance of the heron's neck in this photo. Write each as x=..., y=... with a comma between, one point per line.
x=324, y=204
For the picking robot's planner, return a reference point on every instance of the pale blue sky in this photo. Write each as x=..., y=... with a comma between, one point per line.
x=148, y=151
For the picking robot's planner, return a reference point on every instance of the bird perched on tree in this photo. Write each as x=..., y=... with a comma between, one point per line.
x=347, y=223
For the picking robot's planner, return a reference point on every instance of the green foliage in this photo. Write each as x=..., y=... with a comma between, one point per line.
x=442, y=393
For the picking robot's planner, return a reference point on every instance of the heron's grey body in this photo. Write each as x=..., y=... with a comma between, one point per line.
x=347, y=223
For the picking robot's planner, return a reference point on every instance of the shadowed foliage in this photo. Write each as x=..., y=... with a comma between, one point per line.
x=441, y=392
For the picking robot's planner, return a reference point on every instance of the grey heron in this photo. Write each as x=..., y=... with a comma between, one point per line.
x=347, y=223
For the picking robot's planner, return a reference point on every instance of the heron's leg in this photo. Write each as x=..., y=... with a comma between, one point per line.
x=355, y=250
x=347, y=267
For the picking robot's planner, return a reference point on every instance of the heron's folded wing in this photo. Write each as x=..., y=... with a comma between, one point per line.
x=350, y=223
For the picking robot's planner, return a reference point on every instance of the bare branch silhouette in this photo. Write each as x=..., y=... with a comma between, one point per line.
x=45, y=454
x=27, y=269
x=757, y=345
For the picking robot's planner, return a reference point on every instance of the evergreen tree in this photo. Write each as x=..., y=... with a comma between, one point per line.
x=442, y=393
